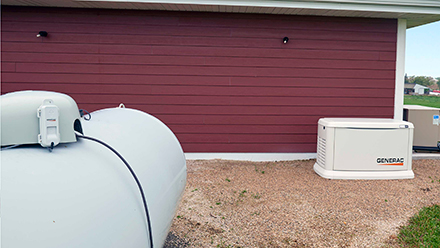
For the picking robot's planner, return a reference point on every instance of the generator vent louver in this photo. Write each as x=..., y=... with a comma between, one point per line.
x=320, y=158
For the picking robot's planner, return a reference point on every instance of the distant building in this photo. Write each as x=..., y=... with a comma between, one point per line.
x=433, y=87
x=421, y=90
x=416, y=89
x=409, y=89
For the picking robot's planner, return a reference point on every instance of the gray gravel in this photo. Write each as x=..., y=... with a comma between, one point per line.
x=285, y=204
x=175, y=241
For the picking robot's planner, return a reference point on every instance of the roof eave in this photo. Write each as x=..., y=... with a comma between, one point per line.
x=415, y=12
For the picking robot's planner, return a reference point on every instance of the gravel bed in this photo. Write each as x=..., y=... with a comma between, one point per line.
x=286, y=204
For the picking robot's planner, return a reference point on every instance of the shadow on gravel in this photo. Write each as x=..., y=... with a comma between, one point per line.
x=174, y=241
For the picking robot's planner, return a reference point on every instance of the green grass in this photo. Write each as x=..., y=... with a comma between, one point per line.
x=423, y=229
x=428, y=101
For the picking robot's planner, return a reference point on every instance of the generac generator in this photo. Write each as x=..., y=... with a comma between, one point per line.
x=353, y=148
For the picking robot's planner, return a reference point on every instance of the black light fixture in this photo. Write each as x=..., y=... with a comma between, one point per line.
x=42, y=34
x=285, y=40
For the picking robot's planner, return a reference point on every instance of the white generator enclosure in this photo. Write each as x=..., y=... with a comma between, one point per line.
x=352, y=148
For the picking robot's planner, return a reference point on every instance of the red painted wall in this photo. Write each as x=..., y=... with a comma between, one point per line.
x=222, y=82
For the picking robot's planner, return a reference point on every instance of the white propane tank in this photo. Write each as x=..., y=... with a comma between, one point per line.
x=82, y=195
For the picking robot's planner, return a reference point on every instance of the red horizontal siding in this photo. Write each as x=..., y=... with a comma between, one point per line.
x=244, y=129
x=95, y=59
x=303, y=53
x=300, y=34
x=253, y=119
x=8, y=67
x=186, y=70
x=222, y=82
x=246, y=147
x=248, y=138
x=145, y=40
x=100, y=79
x=244, y=24
x=267, y=111
x=180, y=90
x=232, y=100
x=182, y=18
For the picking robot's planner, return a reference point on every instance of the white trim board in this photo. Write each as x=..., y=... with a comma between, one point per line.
x=251, y=156
x=261, y=157
x=400, y=69
x=413, y=6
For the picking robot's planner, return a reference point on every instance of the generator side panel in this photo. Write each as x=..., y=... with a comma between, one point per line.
x=410, y=149
x=325, y=148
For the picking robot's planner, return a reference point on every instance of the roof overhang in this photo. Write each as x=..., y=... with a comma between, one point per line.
x=416, y=12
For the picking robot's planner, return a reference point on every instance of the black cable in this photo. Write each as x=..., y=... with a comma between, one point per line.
x=83, y=112
x=135, y=178
x=9, y=147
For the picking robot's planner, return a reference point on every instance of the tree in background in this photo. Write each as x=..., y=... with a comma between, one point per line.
x=406, y=78
x=438, y=82
x=422, y=80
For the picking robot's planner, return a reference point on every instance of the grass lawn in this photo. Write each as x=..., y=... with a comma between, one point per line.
x=428, y=101
x=423, y=229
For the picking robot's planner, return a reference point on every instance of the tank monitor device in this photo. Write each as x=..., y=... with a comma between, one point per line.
x=49, y=135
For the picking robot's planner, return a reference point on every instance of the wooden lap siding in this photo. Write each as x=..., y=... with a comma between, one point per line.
x=222, y=82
